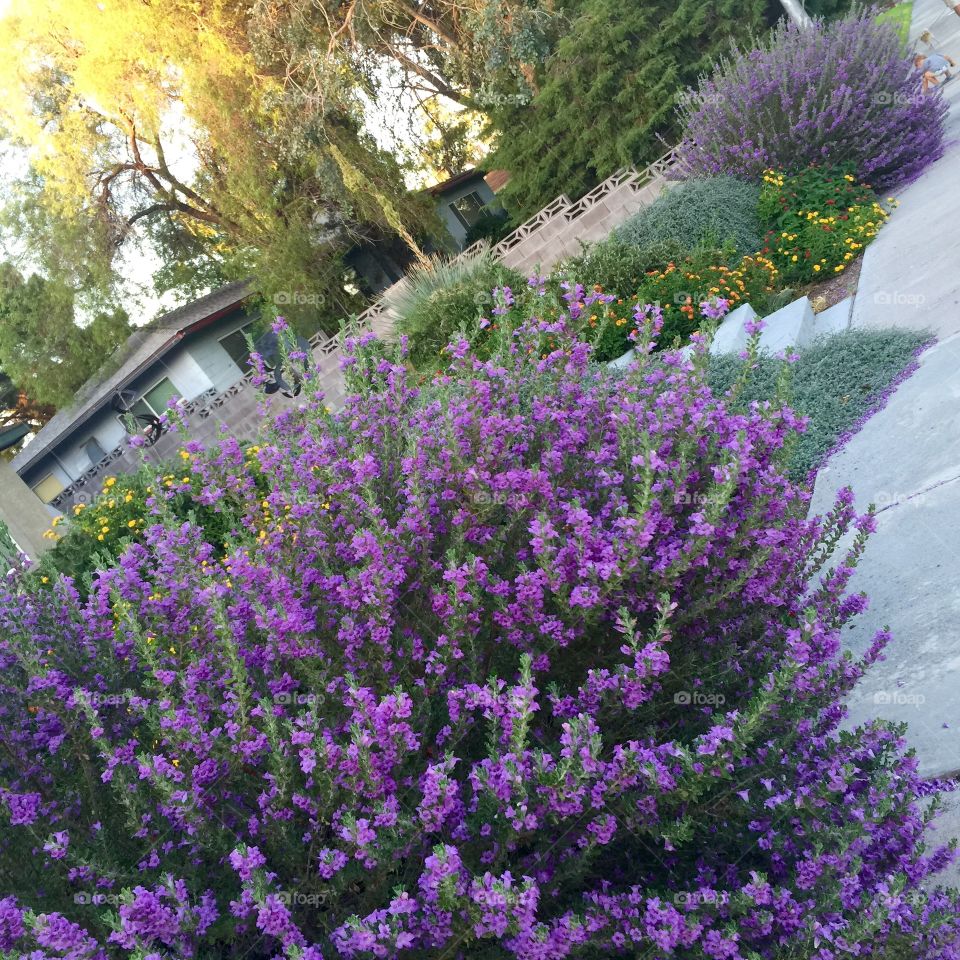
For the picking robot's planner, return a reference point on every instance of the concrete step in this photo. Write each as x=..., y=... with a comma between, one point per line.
x=731, y=335
x=791, y=326
x=834, y=319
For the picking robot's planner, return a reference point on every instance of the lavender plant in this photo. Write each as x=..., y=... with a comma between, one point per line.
x=533, y=663
x=842, y=92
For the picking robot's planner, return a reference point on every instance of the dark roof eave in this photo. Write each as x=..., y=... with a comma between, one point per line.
x=438, y=189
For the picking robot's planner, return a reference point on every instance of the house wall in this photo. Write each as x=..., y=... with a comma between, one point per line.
x=241, y=409
x=214, y=362
x=449, y=218
x=196, y=366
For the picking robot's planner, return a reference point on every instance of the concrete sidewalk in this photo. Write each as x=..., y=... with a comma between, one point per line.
x=906, y=460
x=910, y=272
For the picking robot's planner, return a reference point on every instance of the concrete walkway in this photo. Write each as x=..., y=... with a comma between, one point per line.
x=906, y=460
x=911, y=272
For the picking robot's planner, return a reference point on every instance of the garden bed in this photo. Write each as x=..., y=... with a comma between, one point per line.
x=837, y=383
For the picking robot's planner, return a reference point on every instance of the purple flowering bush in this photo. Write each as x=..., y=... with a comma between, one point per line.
x=842, y=92
x=534, y=662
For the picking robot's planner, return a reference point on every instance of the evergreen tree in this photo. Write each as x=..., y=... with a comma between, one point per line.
x=608, y=92
x=42, y=349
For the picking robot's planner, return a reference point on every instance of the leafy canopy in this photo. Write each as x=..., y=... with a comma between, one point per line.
x=42, y=349
x=160, y=124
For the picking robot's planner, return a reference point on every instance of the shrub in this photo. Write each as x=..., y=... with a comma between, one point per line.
x=821, y=219
x=681, y=287
x=493, y=224
x=606, y=95
x=542, y=663
x=709, y=212
x=96, y=534
x=435, y=304
x=678, y=289
x=619, y=266
x=841, y=92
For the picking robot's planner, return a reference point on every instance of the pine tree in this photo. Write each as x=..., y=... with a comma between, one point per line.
x=607, y=94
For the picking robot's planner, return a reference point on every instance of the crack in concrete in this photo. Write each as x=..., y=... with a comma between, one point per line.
x=919, y=493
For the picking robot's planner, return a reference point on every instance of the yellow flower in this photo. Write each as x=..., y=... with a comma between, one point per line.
x=816, y=268
x=44, y=579
x=99, y=536
x=110, y=481
x=131, y=523
x=184, y=455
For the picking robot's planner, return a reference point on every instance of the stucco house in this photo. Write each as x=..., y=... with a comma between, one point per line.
x=461, y=200
x=198, y=349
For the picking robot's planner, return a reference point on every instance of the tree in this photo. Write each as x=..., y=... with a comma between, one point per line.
x=42, y=349
x=472, y=52
x=608, y=92
x=158, y=123
x=16, y=407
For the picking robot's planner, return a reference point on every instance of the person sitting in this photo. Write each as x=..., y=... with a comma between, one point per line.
x=934, y=69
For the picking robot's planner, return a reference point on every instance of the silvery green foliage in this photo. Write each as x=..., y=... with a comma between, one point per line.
x=708, y=211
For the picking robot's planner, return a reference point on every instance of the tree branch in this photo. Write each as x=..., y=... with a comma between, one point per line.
x=439, y=85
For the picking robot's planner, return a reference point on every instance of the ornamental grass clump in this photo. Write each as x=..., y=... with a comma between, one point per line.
x=838, y=92
x=535, y=663
x=433, y=304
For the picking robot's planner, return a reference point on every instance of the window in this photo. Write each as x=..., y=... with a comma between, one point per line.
x=236, y=345
x=49, y=488
x=95, y=453
x=467, y=209
x=152, y=404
